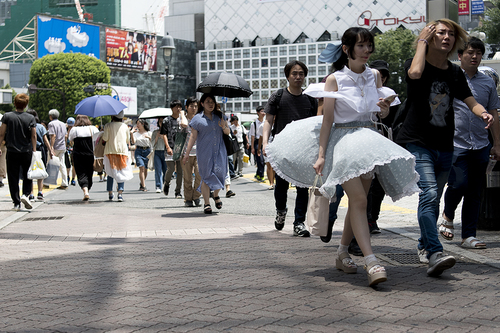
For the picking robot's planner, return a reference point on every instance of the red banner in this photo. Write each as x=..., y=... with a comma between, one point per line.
x=463, y=7
x=131, y=50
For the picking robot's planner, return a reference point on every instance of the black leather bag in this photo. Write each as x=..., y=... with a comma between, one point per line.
x=231, y=143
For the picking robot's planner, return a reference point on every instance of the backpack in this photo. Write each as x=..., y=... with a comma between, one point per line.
x=279, y=94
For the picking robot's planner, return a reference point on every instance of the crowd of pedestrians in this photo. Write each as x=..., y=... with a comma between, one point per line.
x=330, y=131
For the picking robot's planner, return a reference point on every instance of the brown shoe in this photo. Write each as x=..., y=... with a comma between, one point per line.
x=62, y=187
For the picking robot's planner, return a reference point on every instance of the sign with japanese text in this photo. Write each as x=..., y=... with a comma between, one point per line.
x=131, y=50
x=463, y=7
x=477, y=7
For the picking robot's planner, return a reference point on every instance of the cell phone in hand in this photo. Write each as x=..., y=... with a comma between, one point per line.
x=390, y=99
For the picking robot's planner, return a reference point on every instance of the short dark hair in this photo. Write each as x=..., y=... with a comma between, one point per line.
x=234, y=118
x=289, y=66
x=472, y=43
x=175, y=103
x=21, y=101
x=139, y=38
x=259, y=108
x=349, y=39
x=191, y=100
x=34, y=114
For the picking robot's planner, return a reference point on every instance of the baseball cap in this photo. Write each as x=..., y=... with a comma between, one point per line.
x=381, y=65
x=70, y=121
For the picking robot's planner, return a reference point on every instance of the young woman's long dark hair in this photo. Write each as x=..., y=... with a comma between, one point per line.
x=217, y=112
x=144, y=123
x=350, y=37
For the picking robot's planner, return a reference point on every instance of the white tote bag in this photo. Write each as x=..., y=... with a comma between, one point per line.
x=37, y=168
x=318, y=209
x=52, y=170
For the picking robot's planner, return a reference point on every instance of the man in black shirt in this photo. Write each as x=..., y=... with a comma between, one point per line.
x=19, y=132
x=283, y=107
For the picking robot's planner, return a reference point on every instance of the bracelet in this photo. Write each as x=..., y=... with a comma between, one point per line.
x=423, y=40
x=484, y=112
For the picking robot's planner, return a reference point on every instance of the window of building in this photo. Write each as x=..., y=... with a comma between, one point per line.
x=312, y=71
x=274, y=84
x=282, y=74
x=246, y=53
x=283, y=62
x=264, y=62
x=321, y=70
x=204, y=66
x=321, y=47
x=229, y=64
x=237, y=54
x=255, y=73
x=302, y=49
x=311, y=49
x=246, y=106
x=229, y=54
x=203, y=56
x=312, y=60
x=292, y=58
x=220, y=55
x=303, y=59
x=264, y=84
x=246, y=75
x=256, y=95
x=255, y=63
x=264, y=73
x=292, y=50
x=264, y=52
x=283, y=51
x=274, y=72
x=274, y=51
x=237, y=73
x=283, y=83
x=255, y=105
x=203, y=75
x=220, y=65
x=255, y=53
x=246, y=63
x=237, y=106
x=255, y=85
x=237, y=64
x=212, y=66
x=274, y=62
x=312, y=80
x=265, y=94
x=211, y=55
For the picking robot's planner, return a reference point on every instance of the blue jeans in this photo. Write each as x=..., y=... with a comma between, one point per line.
x=466, y=181
x=160, y=167
x=259, y=160
x=109, y=185
x=433, y=166
x=281, y=196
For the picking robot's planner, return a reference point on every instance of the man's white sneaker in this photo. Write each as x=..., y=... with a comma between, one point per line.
x=26, y=202
x=422, y=255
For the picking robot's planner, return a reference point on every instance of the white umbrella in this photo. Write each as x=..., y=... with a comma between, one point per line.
x=155, y=113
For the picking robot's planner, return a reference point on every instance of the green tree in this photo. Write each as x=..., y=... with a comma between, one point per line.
x=491, y=26
x=8, y=107
x=69, y=73
x=395, y=47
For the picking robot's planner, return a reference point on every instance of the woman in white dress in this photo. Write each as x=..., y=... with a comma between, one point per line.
x=350, y=150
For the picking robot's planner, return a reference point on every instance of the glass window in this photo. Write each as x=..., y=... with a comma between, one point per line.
x=312, y=80
x=292, y=58
x=229, y=64
x=203, y=56
x=255, y=85
x=264, y=62
x=283, y=83
x=255, y=74
x=220, y=65
x=246, y=106
x=283, y=62
x=264, y=73
x=246, y=53
x=237, y=54
x=302, y=59
x=274, y=51
x=255, y=105
x=237, y=73
x=322, y=70
x=282, y=74
x=255, y=53
x=264, y=51
x=204, y=66
x=203, y=75
x=255, y=63
x=311, y=48
x=321, y=47
x=283, y=50
x=229, y=54
x=274, y=72
x=237, y=64
x=237, y=106
x=246, y=63
x=312, y=71
x=292, y=50
x=274, y=84
x=211, y=55
x=265, y=84
x=212, y=66
x=220, y=55
x=256, y=95
x=246, y=75
x=274, y=62
x=302, y=49
x=265, y=94
x=312, y=60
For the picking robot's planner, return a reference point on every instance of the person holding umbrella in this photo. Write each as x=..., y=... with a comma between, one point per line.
x=207, y=129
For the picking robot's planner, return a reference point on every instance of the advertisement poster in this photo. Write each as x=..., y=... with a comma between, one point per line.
x=477, y=7
x=128, y=96
x=131, y=50
x=463, y=7
x=61, y=36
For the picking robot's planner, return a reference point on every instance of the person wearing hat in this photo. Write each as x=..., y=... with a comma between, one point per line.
x=57, y=133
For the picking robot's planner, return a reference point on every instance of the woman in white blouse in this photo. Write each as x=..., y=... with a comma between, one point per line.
x=142, y=140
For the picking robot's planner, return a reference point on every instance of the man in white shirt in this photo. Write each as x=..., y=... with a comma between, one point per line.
x=254, y=141
x=57, y=133
x=239, y=131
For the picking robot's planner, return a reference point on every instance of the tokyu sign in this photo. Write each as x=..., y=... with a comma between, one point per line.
x=368, y=20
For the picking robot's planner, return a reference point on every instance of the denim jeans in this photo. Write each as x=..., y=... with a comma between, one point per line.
x=281, y=196
x=109, y=185
x=259, y=160
x=160, y=167
x=466, y=180
x=433, y=166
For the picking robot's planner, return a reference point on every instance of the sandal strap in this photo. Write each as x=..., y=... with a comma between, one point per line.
x=444, y=223
x=344, y=255
x=216, y=198
x=372, y=265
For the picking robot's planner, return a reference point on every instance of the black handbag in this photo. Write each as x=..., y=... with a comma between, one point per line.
x=231, y=143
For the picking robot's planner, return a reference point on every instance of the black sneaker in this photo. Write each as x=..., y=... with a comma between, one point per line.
x=197, y=202
x=354, y=248
x=374, y=229
x=189, y=203
x=279, y=222
x=299, y=229
x=230, y=194
x=166, y=187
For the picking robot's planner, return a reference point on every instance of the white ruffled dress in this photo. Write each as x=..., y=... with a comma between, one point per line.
x=354, y=148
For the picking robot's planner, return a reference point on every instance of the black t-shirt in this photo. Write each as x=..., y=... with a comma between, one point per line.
x=430, y=121
x=170, y=127
x=18, y=134
x=292, y=107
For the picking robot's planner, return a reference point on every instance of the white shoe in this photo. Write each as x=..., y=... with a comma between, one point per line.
x=26, y=202
x=158, y=190
x=422, y=255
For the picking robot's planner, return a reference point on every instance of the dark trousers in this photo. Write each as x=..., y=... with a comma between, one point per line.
x=374, y=200
x=259, y=160
x=334, y=206
x=84, y=168
x=281, y=195
x=18, y=164
x=466, y=180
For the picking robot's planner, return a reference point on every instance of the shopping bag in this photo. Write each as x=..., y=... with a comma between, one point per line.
x=52, y=171
x=231, y=143
x=37, y=169
x=151, y=160
x=180, y=141
x=317, y=210
x=246, y=160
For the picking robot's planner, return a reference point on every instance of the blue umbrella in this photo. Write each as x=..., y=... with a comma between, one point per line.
x=99, y=105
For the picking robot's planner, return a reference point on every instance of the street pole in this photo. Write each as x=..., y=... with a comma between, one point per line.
x=167, y=45
x=166, y=79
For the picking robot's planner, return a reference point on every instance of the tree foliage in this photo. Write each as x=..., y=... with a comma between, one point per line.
x=395, y=47
x=491, y=26
x=69, y=73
